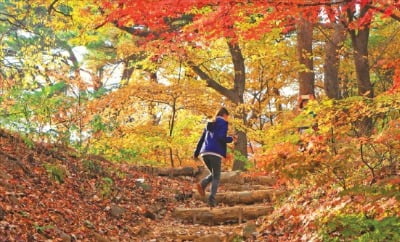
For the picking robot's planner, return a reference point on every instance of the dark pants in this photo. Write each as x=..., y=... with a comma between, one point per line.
x=213, y=164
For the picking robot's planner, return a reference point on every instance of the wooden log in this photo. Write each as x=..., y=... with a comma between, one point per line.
x=183, y=171
x=231, y=177
x=236, y=177
x=242, y=197
x=221, y=215
x=226, y=176
x=260, y=180
x=243, y=187
x=166, y=171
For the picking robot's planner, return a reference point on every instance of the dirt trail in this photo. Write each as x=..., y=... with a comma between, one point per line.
x=52, y=193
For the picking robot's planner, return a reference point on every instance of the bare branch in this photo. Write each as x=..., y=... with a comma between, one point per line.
x=213, y=84
x=53, y=8
x=381, y=10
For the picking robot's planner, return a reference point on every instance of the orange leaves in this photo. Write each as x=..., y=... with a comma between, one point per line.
x=396, y=81
x=36, y=208
x=391, y=65
x=206, y=18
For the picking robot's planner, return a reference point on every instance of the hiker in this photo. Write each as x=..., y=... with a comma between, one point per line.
x=212, y=148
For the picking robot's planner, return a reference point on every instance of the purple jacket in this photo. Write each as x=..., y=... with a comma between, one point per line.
x=214, y=138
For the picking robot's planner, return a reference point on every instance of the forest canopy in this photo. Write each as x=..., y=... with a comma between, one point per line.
x=313, y=86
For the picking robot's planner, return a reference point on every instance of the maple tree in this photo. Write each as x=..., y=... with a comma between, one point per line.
x=194, y=20
x=133, y=81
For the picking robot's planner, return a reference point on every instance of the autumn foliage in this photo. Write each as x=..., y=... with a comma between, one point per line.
x=92, y=89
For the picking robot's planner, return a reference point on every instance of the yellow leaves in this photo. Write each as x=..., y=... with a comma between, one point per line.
x=127, y=48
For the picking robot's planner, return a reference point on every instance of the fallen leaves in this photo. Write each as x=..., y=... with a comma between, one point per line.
x=36, y=207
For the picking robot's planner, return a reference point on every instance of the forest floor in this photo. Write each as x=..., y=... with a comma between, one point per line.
x=52, y=194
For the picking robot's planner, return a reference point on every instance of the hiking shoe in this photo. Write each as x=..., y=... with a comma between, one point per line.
x=212, y=204
x=200, y=189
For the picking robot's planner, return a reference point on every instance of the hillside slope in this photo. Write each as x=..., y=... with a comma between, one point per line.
x=49, y=193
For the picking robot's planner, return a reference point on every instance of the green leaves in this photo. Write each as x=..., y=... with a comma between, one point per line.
x=56, y=172
x=358, y=227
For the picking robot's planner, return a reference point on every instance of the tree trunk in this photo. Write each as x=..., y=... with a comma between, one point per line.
x=332, y=62
x=128, y=68
x=171, y=157
x=305, y=56
x=360, y=46
x=240, y=147
x=239, y=86
x=277, y=95
x=359, y=39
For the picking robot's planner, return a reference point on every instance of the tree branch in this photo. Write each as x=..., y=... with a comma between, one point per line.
x=52, y=8
x=383, y=11
x=228, y=93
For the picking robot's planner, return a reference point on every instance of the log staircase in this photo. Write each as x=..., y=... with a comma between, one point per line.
x=239, y=199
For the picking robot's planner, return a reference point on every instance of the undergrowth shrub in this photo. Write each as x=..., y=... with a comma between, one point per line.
x=106, y=186
x=56, y=172
x=358, y=227
x=93, y=168
x=336, y=148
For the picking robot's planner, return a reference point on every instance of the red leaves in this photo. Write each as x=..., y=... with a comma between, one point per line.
x=210, y=18
x=392, y=65
x=228, y=18
x=38, y=208
x=396, y=81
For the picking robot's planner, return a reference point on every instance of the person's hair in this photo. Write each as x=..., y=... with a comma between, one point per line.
x=221, y=112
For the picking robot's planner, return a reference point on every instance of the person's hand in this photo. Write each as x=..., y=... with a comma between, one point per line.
x=235, y=138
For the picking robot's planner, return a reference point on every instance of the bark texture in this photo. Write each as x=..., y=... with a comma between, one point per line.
x=305, y=57
x=242, y=197
x=332, y=61
x=221, y=215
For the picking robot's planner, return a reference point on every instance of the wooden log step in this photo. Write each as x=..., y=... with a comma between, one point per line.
x=242, y=197
x=236, y=177
x=231, y=177
x=172, y=172
x=260, y=180
x=226, y=176
x=217, y=215
x=243, y=187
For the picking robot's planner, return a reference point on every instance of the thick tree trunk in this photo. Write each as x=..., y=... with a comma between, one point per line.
x=305, y=57
x=221, y=215
x=359, y=41
x=241, y=147
x=332, y=61
x=128, y=68
x=360, y=46
x=241, y=197
x=239, y=86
